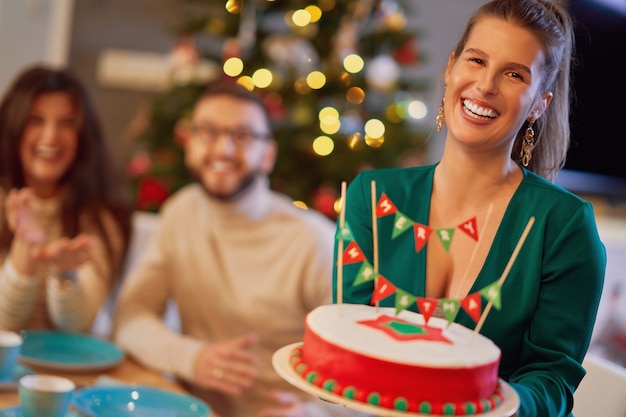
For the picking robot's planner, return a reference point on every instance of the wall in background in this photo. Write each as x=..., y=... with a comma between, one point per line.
x=33, y=31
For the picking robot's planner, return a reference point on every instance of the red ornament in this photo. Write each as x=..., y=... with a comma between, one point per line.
x=138, y=165
x=406, y=54
x=324, y=201
x=152, y=193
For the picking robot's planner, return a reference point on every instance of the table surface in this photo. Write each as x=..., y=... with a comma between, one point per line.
x=128, y=371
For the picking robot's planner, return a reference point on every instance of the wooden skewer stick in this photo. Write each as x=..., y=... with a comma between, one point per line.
x=375, y=239
x=506, y=271
x=342, y=223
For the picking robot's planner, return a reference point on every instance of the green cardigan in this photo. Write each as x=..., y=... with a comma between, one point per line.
x=549, y=299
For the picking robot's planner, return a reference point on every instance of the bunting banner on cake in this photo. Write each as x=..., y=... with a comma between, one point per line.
x=383, y=287
x=402, y=223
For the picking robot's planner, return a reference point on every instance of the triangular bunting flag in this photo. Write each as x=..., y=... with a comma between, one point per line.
x=472, y=304
x=492, y=293
x=344, y=233
x=422, y=233
x=469, y=227
x=384, y=288
x=353, y=254
x=400, y=224
x=385, y=206
x=403, y=300
x=445, y=236
x=366, y=273
x=450, y=308
x=427, y=307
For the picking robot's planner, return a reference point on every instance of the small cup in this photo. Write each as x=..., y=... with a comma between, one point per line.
x=45, y=395
x=10, y=347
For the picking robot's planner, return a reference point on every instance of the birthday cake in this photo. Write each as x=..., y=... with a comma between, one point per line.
x=396, y=361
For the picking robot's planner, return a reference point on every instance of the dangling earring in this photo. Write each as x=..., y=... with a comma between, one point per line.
x=528, y=143
x=440, y=121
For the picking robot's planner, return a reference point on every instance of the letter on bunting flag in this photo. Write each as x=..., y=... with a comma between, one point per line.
x=385, y=206
x=384, y=288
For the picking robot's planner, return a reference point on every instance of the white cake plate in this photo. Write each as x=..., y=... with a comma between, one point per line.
x=280, y=361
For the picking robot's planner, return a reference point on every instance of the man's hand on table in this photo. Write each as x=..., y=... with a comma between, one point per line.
x=227, y=366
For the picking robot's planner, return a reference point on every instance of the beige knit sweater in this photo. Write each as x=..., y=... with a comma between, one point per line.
x=258, y=264
x=33, y=302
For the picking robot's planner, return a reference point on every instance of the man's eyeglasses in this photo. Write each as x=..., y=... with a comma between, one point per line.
x=241, y=137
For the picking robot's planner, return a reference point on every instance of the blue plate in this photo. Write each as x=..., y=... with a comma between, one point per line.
x=17, y=412
x=11, y=384
x=65, y=351
x=137, y=401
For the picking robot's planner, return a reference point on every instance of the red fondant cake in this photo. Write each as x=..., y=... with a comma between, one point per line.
x=396, y=361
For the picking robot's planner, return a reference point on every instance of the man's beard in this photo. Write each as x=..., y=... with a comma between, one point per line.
x=245, y=184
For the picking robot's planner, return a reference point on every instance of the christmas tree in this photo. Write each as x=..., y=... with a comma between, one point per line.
x=335, y=74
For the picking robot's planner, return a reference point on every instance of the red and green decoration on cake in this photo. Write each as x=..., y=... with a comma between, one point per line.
x=404, y=331
x=393, y=403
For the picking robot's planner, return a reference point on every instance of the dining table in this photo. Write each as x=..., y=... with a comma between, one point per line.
x=128, y=371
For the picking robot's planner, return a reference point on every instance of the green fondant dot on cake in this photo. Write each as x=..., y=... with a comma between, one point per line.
x=470, y=408
x=310, y=377
x=329, y=384
x=486, y=405
x=349, y=392
x=401, y=404
x=373, y=398
x=425, y=407
x=449, y=409
x=301, y=368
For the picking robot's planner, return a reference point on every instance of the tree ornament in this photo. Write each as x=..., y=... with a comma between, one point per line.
x=382, y=72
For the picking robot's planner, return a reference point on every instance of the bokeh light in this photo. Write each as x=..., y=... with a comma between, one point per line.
x=374, y=128
x=374, y=142
x=315, y=12
x=355, y=95
x=417, y=109
x=323, y=145
x=233, y=66
x=353, y=63
x=316, y=80
x=262, y=77
x=301, y=18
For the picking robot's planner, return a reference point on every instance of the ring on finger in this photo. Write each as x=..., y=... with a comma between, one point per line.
x=217, y=373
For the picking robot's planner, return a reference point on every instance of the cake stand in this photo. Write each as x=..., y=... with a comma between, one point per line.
x=280, y=362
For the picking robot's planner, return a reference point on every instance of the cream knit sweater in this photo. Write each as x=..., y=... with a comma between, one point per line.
x=33, y=302
x=256, y=264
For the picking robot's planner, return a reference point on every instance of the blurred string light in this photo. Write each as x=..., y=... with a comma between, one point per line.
x=316, y=80
x=355, y=95
x=300, y=204
x=329, y=120
x=301, y=18
x=233, y=66
x=234, y=6
x=262, y=78
x=323, y=145
x=353, y=63
x=315, y=12
x=374, y=133
x=381, y=73
x=246, y=82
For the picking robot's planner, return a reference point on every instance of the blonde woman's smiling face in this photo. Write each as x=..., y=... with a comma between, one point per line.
x=493, y=86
